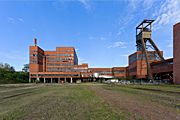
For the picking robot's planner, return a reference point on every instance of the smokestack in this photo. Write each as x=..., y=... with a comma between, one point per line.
x=35, y=42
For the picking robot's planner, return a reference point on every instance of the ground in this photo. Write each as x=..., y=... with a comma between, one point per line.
x=90, y=101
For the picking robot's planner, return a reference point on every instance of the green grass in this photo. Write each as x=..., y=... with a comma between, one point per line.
x=80, y=102
x=55, y=102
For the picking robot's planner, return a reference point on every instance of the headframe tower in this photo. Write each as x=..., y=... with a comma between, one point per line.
x=144, y=42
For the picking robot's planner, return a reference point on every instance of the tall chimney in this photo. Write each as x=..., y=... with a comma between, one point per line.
x=35, y=41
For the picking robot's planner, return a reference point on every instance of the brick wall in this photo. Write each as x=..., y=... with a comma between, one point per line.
x=176, y=53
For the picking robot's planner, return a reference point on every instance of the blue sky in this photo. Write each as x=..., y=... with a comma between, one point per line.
x=103, y=32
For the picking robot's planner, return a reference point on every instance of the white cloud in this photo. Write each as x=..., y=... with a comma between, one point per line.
x=12, y=20
x=21, y=20
x=133, y=7
x=118, y=44
x=85, y=4
x=124, y=22
x=15, y=20
x=168, y=13
x=147, y=4
x=102, y=38
x=133, y=4
x=143, y=4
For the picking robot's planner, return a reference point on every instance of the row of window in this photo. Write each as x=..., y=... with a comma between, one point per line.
x=67, y=55
x=55, y=75
x=66, y=50
x=59, y=64
x=151, y=56
x=103, y=72
x=33, y=50
x=80, y=67
x=119, y=72
x=58, y=59
x=134, y=69
x=33, y=61
x=64, y=70
x=37, y=55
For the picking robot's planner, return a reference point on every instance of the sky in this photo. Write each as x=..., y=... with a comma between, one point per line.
x=102, y=31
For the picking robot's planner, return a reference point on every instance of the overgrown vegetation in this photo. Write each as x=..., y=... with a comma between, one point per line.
x=89, y=101
x=54, y=102
x=9, y=75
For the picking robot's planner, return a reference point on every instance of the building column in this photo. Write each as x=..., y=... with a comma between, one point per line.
x=51, y=80
x=65, y=80
x=59, y=80
x=37, y=79
x=71, y=80
x=29, y=80
x=44, y=80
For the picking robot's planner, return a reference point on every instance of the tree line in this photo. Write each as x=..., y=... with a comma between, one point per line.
x=9, y=75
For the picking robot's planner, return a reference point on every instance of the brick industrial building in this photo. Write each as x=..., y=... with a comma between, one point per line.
x=62, y=65
x=137, y=64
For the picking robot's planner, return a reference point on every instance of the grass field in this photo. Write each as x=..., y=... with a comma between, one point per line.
x=89, y=102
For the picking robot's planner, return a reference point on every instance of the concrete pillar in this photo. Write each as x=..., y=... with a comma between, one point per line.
x=37, y=79
x=59, y=80
x=71, y=80
x=65, y=80
x=51, y=80
x=29, y=80
x=44, y=80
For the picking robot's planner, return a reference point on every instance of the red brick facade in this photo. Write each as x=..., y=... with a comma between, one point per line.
x=137, y=64
x=62, y=65
x=176, y=53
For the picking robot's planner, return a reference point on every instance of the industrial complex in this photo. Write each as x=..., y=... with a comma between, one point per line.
x=147, y=63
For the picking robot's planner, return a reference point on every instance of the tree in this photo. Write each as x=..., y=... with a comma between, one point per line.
x=9, y=75
x=25, y=68
x=7, y=67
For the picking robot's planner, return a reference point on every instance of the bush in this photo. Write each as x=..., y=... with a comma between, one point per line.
x=9, y=75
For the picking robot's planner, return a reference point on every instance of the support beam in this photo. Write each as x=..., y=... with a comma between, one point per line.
x=59, y=80
x=65, y=80
x=71, y=80
x=157, y=50
x=37, y=79
x=29, y=80
x=146, y=56
x=44, y=80
x=51, y=80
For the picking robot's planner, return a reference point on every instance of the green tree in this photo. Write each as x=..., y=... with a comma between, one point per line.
x=9, y=75
x=7, y=67
x=25, y=68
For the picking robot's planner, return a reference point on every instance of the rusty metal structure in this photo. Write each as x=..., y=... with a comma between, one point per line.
x=144, y=43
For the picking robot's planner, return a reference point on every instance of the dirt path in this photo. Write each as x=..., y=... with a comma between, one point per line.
x=133, y=108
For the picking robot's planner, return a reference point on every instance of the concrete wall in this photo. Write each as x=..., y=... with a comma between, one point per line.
x=176, y=53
